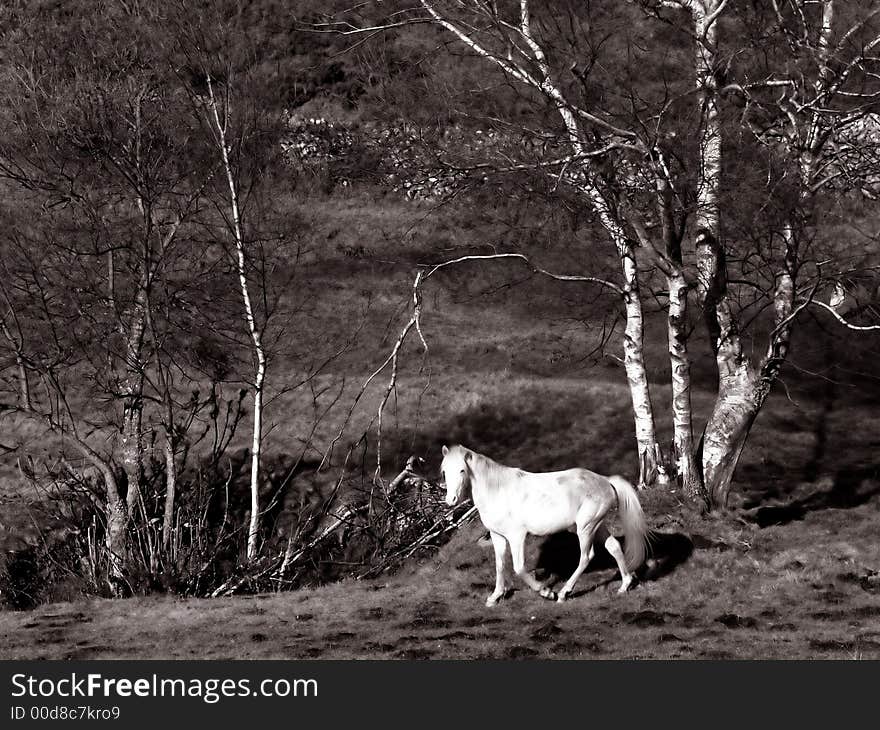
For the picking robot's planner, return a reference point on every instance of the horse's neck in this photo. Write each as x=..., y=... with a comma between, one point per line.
x=487, y=476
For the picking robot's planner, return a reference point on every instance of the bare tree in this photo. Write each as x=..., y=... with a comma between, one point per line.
x=110, y=172
x=92, y=147
x=48, y=351
x=242, y=134
x=143, y=263
x=510, y=42
x=817, y=83
x=655, y=101
x=220, y=119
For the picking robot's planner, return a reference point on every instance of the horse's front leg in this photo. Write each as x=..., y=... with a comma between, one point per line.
x=518, y=554
x=502, y=552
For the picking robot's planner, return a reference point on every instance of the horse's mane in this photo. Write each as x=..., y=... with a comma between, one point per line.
x=490, y=472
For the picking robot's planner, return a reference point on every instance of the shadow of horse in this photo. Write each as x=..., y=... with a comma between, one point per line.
x=558, y=557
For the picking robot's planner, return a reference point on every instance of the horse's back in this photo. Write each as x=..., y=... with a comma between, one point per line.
x=548, y=502
x=587, y=482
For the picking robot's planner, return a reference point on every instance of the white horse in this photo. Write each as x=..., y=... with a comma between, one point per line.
x=514, y=503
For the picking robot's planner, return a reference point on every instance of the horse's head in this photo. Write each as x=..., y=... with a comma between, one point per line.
x=456, y=474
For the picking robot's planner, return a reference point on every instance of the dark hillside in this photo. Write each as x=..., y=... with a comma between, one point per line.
x=367, y=163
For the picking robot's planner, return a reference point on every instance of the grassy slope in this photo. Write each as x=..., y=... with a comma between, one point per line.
x=788, y=577
x=782, y=592
x=787, y=574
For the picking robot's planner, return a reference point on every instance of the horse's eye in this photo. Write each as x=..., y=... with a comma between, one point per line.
x=462, y=471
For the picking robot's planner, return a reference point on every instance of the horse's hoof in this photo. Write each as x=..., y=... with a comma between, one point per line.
x=493, y=600
x=561, y=598
x=549, y=594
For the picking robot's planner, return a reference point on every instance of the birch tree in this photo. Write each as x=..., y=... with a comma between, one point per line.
x=235, y=102
x=141, y=256
x=816, y=83
x=241, y=136
x=508, y=41
x=90, y=148
x=104, y=185
x=219, y=120
x=655, y=102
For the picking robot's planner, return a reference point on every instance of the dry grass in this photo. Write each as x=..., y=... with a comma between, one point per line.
x=790, y=571
x=798, y=591
x=792, y=577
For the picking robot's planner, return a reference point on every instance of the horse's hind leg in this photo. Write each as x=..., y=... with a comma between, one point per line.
x=502, y=550
x=585, y=535
x=518, y=554
x=613, y=546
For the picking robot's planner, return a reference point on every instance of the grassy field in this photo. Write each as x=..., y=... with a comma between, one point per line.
x=801, y=589
x=791, y=570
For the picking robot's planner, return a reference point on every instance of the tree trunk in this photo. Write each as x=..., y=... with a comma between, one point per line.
x=726, y=432
x=736, y=403
x=116, y=537
x=710, y=260
x=170, y=446
x=649, y=454
x=253, y=329
x=132, y=443
x=253, y=545
x=742, y=391
x=687, y=469
x=634, y=363
x=170, y=495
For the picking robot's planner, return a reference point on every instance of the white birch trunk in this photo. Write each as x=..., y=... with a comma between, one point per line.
x=687, y=469
x=170, y=445
x=735, y=407
x=250, y=321
x=742, y=388
x=170, y=495
x=707, y=219
x=637, y=376
x=254, y=527
x=728, y=428
x=648, y=448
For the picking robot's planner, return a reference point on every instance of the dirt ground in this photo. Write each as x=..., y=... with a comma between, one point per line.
x=802, y=587
x=792, y=571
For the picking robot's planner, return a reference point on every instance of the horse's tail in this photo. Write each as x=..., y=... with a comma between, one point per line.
x=634, y=527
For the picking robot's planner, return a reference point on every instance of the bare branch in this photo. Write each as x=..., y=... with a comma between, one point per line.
x=536, y=269
x=848, y=325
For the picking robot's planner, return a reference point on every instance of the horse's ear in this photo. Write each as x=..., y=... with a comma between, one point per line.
x=467, y=455
x=445, y=451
